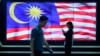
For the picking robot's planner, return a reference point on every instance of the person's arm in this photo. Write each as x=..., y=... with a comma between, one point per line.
x=33, y=35
x=63, y=32
x=32, y=46
x=48, y=47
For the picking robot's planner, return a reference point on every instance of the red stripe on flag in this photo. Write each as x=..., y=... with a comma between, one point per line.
x=85, y=33
x=18, y=37
x=86, y=7
x=85, y=20
x=93, y=14
x=66, y=19
x=17, y=29
x=88, y=28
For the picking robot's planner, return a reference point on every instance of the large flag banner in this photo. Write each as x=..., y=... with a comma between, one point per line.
x=22, y=17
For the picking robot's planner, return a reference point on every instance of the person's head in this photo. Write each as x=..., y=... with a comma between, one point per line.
x=43, y=20
x=70, y=25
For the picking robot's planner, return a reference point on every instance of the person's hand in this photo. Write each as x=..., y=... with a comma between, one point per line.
x=63, y=31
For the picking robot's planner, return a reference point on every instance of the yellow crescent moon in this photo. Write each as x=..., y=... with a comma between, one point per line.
x=11, y=11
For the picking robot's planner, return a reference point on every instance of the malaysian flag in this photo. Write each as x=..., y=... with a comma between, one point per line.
x=22, y=17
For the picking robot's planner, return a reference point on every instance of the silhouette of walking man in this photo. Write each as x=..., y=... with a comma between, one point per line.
x=37, y=38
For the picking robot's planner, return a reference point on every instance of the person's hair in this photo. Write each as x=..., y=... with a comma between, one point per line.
x=43, y=18
x=71, y=24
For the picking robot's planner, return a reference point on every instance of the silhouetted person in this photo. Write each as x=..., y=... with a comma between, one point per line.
x=37, y=38
x=68, y=38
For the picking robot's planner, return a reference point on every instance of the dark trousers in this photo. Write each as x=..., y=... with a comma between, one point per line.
x=68, y=49
x=37, y=53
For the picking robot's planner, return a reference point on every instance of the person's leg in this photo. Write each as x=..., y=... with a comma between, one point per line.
x=37, y=53
x=67, y=50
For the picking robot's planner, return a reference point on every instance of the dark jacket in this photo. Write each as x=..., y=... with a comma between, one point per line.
x=68, y=36
x=68, y=41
